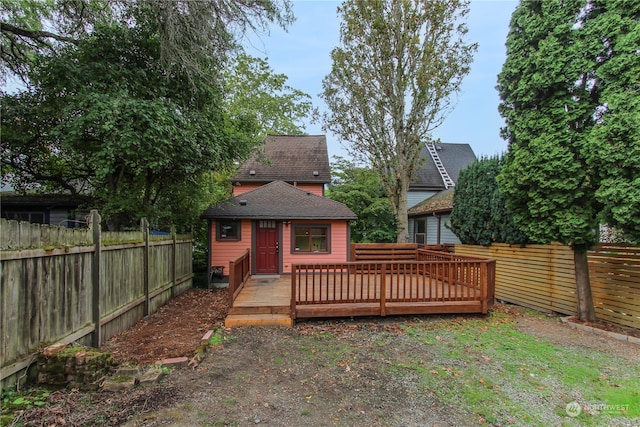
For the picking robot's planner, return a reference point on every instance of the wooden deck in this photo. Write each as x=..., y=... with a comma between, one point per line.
x=435, y=283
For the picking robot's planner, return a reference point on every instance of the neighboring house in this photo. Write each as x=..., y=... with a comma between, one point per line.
x=54, y=209
x=278, y=210
x=438, y=174
x=429, y=219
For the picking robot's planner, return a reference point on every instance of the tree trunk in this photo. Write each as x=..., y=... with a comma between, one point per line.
x=586, y=310
x=402, y=217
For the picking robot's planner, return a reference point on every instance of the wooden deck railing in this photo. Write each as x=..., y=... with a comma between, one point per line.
x=239, y=273
x=401, y=287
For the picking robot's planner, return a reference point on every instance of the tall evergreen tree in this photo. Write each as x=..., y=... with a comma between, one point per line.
x=553, y=101
x=479, y=215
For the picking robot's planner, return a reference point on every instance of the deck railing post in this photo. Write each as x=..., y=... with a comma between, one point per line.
x=383, y=290
x=294, y=275
x=483, y=286
x=232, y=281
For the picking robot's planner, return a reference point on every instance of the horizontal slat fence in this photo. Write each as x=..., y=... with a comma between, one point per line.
x=543, y=277
x=614, y=272
x=57, y=285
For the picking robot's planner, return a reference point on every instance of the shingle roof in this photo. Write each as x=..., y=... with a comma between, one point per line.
x=279, y=200
x=441, y=202
x=454, y=157
x=290, y=158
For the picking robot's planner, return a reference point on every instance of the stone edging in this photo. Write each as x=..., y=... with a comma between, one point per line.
x=614, y=335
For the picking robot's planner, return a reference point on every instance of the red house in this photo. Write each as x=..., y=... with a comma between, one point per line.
x=278, y=210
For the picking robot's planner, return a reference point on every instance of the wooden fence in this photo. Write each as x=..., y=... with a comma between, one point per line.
x=543, y=277
x=84, y=285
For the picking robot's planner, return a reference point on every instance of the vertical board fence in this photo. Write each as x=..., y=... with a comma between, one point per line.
x=543, y=277
x=67, y=285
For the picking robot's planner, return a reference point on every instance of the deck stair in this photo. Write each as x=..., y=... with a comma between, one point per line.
x=446, y=179
x=265, y=301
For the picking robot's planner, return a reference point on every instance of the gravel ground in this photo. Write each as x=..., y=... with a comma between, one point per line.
x=398, y=371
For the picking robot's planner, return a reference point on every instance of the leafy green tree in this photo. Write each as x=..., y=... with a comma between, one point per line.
x=561, y=97
x=479, y=215
x=359, y=188
x=105, y=118
x=255, y=93
x=187, y=30
x=390, y=84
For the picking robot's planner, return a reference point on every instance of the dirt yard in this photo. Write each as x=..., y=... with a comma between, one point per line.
x=399, y=371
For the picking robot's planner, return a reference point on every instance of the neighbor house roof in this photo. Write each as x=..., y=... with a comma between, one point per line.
x=441, y=202
x=454, y=157
x=290, y=158
x=279, y=200
x=12, y=198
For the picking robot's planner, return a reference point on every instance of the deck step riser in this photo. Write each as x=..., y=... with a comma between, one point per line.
x=260, y=310
x=236, y=321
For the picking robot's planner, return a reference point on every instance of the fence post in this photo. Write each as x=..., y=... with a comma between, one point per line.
x=174, y=262
x=144, y=225
x=96, y=339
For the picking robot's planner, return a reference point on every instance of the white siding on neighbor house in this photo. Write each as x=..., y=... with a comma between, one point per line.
x=415, y=197
x=446, y=235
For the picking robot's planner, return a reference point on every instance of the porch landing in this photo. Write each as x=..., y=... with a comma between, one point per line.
x=263, y=301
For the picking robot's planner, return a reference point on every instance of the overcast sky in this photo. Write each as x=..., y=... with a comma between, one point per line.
x=303, y=54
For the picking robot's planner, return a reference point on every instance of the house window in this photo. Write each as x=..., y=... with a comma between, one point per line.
x=228, y=230
x=311, y=238
x=420, y=233
x=32, y=217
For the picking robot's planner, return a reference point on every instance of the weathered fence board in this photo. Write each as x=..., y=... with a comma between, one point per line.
x=543, y=277
x=48, y=285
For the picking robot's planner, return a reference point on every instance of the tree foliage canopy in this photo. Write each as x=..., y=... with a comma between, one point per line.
x=479, y=215
x=187, y=30
x=391, y=81
x=570, y=100
x=359, y=188
x=253, y=92
x=103, y=117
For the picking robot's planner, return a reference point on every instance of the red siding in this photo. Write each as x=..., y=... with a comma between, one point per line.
x=244, y=187
x=317, y=189
x=339, y=249
x=223, y=252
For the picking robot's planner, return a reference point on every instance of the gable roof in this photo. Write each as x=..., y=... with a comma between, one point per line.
x=279, y=200
x=454, y=157
x=441, y=202
x=290, y=158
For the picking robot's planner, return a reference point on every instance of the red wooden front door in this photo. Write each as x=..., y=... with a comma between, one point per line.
x=267, y=247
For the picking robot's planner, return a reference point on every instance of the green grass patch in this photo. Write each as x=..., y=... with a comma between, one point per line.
x=500, y=374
